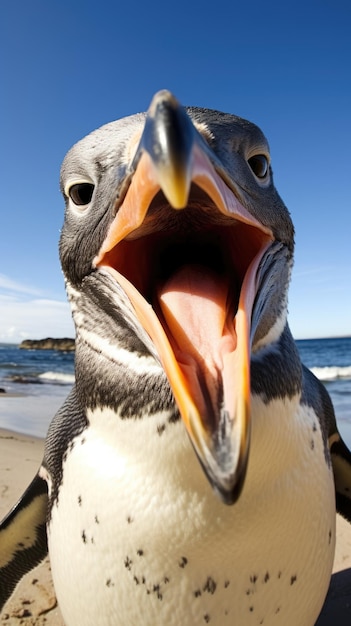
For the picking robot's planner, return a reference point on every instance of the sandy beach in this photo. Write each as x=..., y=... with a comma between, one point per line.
x=34, y=601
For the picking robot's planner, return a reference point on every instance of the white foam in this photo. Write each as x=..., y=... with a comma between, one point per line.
x=59, y=377
x=331, y=373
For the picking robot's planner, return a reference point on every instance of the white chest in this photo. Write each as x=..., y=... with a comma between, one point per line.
x=138, y=537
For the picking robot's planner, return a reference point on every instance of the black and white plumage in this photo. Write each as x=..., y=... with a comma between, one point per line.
x=177, y=252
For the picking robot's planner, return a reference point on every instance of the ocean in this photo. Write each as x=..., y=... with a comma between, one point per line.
x=36, y=382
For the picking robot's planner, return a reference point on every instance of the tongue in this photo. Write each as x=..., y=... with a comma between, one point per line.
x=194, y=304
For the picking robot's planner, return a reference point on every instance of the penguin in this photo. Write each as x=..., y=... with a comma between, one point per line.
x=194, y=472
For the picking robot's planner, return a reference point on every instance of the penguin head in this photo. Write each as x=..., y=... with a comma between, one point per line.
x=179, y=208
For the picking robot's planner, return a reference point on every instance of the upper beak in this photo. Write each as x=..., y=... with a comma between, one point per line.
x=199, y=323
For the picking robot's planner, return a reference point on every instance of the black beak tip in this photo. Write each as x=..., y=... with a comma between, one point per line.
x=229, y=488
x=228, y=496
x=169, y=133
x=162, y=99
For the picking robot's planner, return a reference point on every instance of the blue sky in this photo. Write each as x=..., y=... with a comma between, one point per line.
x=69, y=67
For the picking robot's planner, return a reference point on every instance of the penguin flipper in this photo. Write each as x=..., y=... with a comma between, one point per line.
x=23, y=539
x=341, y=461
x=316, y=396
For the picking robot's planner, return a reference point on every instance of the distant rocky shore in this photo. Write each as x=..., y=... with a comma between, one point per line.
x=65, y=344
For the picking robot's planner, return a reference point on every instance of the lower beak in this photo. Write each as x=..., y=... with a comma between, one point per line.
x=201, y=336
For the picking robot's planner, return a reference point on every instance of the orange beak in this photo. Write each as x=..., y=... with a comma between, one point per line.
x=187, y=252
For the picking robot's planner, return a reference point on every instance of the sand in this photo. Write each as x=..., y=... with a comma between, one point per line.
x=34, y=601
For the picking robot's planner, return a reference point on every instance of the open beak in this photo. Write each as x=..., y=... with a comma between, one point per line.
x=187, y=252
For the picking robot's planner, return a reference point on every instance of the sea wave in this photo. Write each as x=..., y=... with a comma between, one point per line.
x=331, y=373
x=57, y=377
x=53, y=378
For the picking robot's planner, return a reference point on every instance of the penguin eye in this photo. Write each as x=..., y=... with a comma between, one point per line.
x=81, y=193
x=259, y=165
